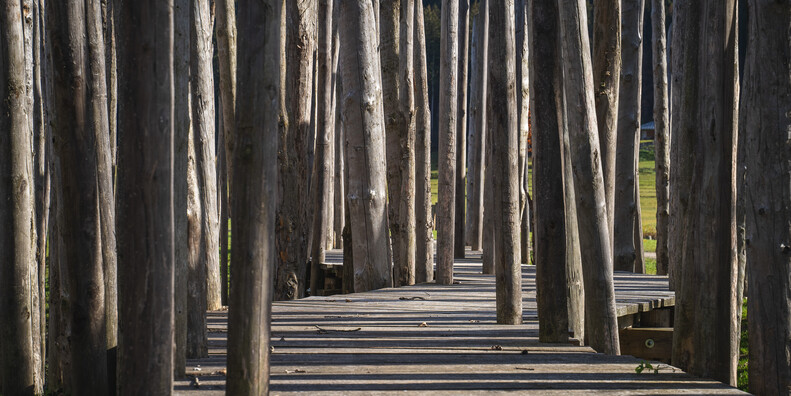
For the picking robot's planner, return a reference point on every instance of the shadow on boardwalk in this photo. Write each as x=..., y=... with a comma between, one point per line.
x=439, y=339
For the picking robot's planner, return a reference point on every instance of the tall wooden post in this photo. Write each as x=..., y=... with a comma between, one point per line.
x=766, y=98
x=448, y=113
x=17, y=365
x=505, y=156
x=424, y=256
x=254, y=197
x=661, y=134
x=601, y=327
x=145, y=194
x=364, y=121
x=706, y=337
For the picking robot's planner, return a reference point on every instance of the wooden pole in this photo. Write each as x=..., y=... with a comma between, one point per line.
x=505, y=155
x=145, y=193
x=601, y=327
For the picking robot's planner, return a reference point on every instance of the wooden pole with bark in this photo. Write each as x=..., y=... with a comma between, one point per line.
x=325, y=147
x=706, y=336
x=447, y=140
x=684, y=49
x=181, y=137
x=505, y=159
x=461, y=128
x=202, y=80
x=766, y=98
x=254, y=196
x=424, y=256
x=399, y=123
x=476, y=129
x=554, y=315
x=661, y=134
x=104, y=171
x=574, y=275
x=18, y=367
x=406, y=275
x=145, y=192
x=77, y=151
x=601, y=327
x=292, y=225
x=42, y=147
x=365, y=134
x=627, y=254
x=522, y=117
x=606, y=82
x=226, y=56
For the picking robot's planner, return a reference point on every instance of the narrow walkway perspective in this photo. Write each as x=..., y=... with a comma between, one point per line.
x=428, y=339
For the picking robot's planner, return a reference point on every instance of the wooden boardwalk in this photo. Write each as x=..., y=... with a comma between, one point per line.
x=430, y=339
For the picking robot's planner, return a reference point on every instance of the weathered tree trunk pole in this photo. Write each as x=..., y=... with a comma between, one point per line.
x=476, y=130
x=396, y=128
x=461, y=128
x=42, y=147
x=334, y=238
x=522, y=120
x=424, y=256
x=145, y=193
x=339, y=195
x=606, y=77
x=297, y=83
x=202, y=80
x=661, y=134
x=254, y=197
x=447, y=140
x=684, y=94
x=364, y=122
x=550, y=219
x=601, y=327
x=406, y=275
x=226, y=55
x=575, y=284
x=489, y=254
x=76, y=145
x=111, y=76
x=325, y=146
x=706, y=337
x=181, y=137
x=101, y=130
x=504, y=128
x=18, y=366
x=767, y=96
x=222, y=200
x=37, y=279
x=627, y=198
x=58, y=352
x=197, y=336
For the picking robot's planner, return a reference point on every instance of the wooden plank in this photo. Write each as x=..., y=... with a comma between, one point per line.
x=432, y=339
x=650, y=343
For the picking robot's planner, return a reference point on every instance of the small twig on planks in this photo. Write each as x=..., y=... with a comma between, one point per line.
x=325, y=331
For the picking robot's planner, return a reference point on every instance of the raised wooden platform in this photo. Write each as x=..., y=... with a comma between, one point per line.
x=440, y=339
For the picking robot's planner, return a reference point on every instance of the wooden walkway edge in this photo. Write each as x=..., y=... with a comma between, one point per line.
x=431, y=339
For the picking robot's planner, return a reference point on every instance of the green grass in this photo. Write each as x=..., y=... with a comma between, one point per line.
x=649, y=245
x=742, y=380
x=650, y=266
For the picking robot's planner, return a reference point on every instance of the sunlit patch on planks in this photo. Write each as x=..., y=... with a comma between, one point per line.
x=439, y=339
